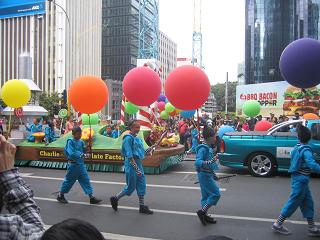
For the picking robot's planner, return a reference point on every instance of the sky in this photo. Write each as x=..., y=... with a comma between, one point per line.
x=223, y=32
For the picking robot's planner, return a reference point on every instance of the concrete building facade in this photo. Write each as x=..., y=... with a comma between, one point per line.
x=63, y=45
x=167, y=55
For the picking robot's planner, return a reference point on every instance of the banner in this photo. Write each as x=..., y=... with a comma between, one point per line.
x=19, y=8
x=279, y=98
x=51, y=154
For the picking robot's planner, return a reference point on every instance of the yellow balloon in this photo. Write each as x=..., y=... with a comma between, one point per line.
x=15, y=93
x=178, y=111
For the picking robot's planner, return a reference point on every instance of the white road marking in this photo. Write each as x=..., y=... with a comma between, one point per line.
x=25, y=174
x=123, y=183
x=182, y=212
x=112, y=236
x=217, y=173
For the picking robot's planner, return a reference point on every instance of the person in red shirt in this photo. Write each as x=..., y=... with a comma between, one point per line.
x=183, y=127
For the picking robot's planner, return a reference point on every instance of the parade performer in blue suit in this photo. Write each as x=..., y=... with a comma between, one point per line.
x=195, y=140
x=205, y=166
x=34, y=128
x=133, y=153
x=302, y=163
x=116, y=132
x=75, y=152
x=48, y=131
x=108, y=132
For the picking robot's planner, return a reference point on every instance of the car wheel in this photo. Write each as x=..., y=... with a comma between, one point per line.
x=261, y=164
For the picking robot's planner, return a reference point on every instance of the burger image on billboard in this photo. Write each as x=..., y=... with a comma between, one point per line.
x=301, y=101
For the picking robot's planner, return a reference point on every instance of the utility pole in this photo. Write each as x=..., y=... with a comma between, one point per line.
x=226, y=96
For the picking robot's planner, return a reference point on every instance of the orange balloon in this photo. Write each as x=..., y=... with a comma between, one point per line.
x=311, y=116
x=88, y=94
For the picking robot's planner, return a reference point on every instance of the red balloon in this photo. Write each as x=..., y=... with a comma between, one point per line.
x=88, y=94
x=142, y=86
x=262, y=126
x=187, y=87
x=161, y=106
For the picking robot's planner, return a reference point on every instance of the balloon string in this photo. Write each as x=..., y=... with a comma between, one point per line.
x=90, y=138
x=198, y=122
x=9, y=127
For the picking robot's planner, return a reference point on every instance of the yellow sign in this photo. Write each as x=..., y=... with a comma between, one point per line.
x=101, y=156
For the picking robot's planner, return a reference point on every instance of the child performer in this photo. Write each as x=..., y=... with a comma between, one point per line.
x=116, y=131
x=34, y=128
x=205, y=165
x=302, y=162
x=133, y=152
x=108, y=132
x=75, y=153
x=48, y=131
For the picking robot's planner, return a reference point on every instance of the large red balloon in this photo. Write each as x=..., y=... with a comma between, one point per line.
x=187, y=87
x=262, y=126
x=88, y=94
x=142, y=86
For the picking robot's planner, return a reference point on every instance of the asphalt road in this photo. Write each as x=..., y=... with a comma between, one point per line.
x=246, y=210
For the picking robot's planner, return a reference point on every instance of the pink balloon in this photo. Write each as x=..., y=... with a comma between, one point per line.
x=141, y=86
x=161, y=106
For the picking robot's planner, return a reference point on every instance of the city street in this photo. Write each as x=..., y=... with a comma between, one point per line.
x=247, y=208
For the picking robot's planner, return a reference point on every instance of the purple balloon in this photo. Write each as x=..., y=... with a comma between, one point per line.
x=299, y=63
x=162, y=98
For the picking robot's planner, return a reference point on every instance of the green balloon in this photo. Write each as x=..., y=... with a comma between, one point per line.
x=169, y=108
x=164, y=115
x=63, y=113
x=251, y=108
x=94, y=119
x=130, y=108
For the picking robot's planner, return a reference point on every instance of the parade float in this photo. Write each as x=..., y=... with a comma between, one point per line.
x=89, y=94
x=105, y=153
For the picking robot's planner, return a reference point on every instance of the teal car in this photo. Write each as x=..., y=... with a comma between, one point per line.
x=265, y=153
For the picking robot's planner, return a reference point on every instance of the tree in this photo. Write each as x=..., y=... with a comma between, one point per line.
x=219, y=92
x=50, y=102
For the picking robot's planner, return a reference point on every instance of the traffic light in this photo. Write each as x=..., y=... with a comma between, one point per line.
x=64, y=97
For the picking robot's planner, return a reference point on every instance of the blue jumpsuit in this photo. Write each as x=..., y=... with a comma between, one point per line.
x=76, y=168
x=195, y=141
x=115, y=133
x=49, y=134
x=132, y=147
x=33, y=129
x=302, y=162
x=205, y=167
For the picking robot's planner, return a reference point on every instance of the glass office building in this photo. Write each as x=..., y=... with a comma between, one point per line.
x=270, y=26
x=120, y=37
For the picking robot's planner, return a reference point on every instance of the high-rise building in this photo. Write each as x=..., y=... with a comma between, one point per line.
x=270, y=26
x=210, y=106
x=120, y=37
x=113, y=107
x=167, y=55
x=63, y=38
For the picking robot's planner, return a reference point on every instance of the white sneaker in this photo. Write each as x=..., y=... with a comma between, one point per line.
x=314, y=232
x=280, y=229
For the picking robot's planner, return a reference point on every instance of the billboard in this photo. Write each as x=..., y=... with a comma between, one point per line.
x=19, y=8
x=279, y=98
